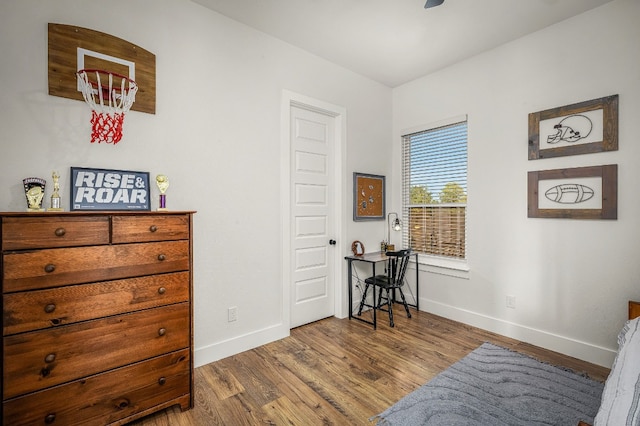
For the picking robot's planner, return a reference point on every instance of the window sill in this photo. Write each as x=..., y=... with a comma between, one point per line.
x=444, y=266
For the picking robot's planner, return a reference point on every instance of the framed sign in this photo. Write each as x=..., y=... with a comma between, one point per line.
x=368, y=197
x=578, y=193
x=102, y=189
x=582, y=128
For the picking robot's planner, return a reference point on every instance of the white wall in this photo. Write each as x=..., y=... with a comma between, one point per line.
x=216, y=134
x=218, y=139
x=571, y=278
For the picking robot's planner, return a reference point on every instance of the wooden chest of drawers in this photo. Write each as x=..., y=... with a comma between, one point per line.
x=97, y=316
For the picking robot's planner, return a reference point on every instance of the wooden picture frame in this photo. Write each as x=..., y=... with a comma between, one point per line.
x=357, y=248
x=634, y=309
x=577, y=193
x=581, y=128
x=368, y=197
x=103, y=189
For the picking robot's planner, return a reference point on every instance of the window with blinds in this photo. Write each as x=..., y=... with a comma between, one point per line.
x=434, y=189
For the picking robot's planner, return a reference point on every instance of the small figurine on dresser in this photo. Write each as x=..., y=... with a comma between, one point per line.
x=34, y=191
x=56, y=201
x=163, y=183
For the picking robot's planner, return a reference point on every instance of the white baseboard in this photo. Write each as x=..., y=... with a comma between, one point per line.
x=226, y=348
x=577, y=349
x=565, y=345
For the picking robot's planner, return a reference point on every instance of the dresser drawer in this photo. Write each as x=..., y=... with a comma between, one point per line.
x=60, y=231
x=44, y=358
x=134, y=229
x=107, y=397
x=33, y=310
x=57, y=267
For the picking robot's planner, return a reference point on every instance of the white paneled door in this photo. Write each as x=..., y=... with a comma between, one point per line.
x=312, y=224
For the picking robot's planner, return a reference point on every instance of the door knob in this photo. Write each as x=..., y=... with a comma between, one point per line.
x=332, y=242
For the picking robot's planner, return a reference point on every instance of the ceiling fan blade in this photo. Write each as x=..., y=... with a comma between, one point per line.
x=433, y=3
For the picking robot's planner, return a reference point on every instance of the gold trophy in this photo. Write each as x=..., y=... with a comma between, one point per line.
x=34, y=191
x=163, y=183
x=55, y=197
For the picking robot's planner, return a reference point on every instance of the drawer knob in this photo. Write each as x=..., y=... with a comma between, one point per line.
x=153, y=228
x=50, y=308
x=162, y=290
x=162, y=332
x=50, y=358
x=50, y=268
x=50, y=418
x=161, y=257
x=124, y=403
x=60, y=232
x=162, y=381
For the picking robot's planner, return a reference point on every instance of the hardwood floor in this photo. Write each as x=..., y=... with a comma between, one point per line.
x=338, y=372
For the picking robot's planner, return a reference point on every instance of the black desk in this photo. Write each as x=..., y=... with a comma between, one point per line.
x=373, y=258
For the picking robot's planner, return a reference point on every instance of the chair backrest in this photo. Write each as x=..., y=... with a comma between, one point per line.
x=398, y=262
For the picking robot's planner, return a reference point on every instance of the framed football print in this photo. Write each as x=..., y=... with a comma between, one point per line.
x=578, y=193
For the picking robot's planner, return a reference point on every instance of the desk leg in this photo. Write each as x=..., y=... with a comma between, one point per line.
x=375, y=307
x=349, y=271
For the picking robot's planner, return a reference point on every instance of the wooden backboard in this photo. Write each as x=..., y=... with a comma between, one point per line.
x=73, y=48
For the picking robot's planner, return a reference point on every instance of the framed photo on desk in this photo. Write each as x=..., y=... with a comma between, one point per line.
x=357, y=248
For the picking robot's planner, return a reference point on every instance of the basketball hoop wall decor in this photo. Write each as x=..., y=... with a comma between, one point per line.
x=110, y=74
x=109, y=102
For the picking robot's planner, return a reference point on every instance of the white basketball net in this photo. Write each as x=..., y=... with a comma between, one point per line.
x=108, y=103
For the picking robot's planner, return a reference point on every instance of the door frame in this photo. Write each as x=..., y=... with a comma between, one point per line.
x=339, y=114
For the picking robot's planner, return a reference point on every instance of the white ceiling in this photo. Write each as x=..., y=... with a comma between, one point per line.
x=396, y=41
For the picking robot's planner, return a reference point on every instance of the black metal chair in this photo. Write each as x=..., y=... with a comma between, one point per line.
x=388, y=284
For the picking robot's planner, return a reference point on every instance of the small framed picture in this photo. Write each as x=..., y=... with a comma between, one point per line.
x=368, y=197
x=103, y=189
x=578, y=193
x=582, y=128
x=357, y=248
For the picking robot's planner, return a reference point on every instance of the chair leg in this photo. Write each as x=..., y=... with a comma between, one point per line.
x=379, y=298
x=388, y=302
x=390, y=307
x=364, y=297
x=404, y=302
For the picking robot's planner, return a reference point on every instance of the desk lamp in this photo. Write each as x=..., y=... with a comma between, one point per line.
x=397, y=226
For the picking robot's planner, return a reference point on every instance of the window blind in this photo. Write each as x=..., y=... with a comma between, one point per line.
x=434, y=190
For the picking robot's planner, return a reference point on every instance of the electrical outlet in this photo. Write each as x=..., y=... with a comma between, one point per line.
x=232, y=314
x=511, y=302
